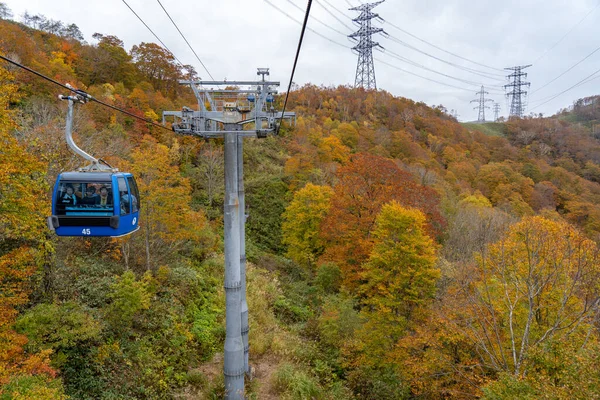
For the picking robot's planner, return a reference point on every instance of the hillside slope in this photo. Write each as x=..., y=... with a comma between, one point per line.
x=393, y=252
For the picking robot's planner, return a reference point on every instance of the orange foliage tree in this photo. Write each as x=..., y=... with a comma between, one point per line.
x=364, y=185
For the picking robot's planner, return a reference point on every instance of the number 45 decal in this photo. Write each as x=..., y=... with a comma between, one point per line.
x=86, y=231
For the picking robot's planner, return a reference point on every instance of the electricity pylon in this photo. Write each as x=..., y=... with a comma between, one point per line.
x=365, y=69
x=517, y=108
x=496, y=112
x=481, y=100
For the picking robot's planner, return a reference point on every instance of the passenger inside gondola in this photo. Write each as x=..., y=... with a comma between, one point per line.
x=91, y=204
x=105, y=199
x=91, y=198
x=68, y=197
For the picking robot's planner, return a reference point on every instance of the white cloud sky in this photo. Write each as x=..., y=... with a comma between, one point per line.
x=233, y=37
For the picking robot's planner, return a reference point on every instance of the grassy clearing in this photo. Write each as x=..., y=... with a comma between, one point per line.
x=487, y=128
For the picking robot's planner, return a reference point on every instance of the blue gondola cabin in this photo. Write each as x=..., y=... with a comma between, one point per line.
x=95, y=204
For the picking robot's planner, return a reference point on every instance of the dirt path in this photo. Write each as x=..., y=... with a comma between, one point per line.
x=262, y=380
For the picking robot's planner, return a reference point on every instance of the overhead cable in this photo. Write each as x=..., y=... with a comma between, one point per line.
x=484, y=74
x=155, y=35
x=338, y=10
x=188, y=43
x=576, y=64
x=296, y=59
x=406, y=60
x=318, y=20
x=349, y=48
x=79, y=92
x=422, y=77
x=567, y=34
x=308, y=28
x=332, y=14
x=581, y=82
x=440, y=48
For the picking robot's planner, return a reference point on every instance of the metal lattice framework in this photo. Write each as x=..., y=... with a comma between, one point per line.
x=517, y=94
x=496, y=111
x=365, y=69
x=246, y=109
x=481, y=107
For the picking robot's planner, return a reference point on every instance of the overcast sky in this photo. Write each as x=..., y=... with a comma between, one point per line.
x=233, y=37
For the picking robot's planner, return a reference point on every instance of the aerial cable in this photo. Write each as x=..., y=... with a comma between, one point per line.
x=581, y=82
x=308, y=28
x=422, y=77
x=441, y=49
x=406, y=60
x=567, y=34
x=484, y=74
x=489, y=75
x=82, y=93
x=319, y=21
x=332, y=14
x=337, y=9
x=349, y=48
x=296, y=60
x=188, y=43
x=579, y=62
x=155, y=35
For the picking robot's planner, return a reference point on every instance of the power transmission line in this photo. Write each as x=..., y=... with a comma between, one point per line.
x=489, y=75
x=186, y=41
x=585, y=80
x=79, y=92
x=332, y=14
x=473, y=71
x=397, y=56
x=441, y=49
x=338, y=10
x=406, y=60
x=420, y=76
x=376, y=59
x=576, y=64
x=308, y=28
x=567, y=34
x=318, y=20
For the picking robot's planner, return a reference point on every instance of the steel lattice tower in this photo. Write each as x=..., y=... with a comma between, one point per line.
x=517, y=108
x=482, y=100
x=365, y=70
x=496, y=111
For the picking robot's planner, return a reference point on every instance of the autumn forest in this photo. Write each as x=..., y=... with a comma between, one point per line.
x=393, y=252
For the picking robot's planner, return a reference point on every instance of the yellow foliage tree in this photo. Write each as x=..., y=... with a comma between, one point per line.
x=397, y=282
x=167, y=220
x=536, y=285
x=301, y=223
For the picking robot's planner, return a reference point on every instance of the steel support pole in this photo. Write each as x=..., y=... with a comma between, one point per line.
x=241, y=196
x=69, y=131
x=233, y=368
